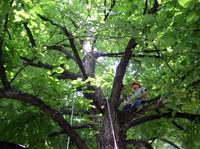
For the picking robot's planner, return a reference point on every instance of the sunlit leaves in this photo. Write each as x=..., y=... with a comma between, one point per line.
x=184, y=2
x=168, y=40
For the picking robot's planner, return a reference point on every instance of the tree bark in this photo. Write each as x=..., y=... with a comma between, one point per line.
x=111, y=134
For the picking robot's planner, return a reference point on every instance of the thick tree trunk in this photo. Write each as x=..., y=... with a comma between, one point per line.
x=111, y=135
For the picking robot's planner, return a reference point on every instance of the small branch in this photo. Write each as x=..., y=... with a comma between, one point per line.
x=111, y=7
x=64, y=75
x=145, y=8
x=169, y=142
x=3, y=76
x=18, y=73
x=6, y=22
x=74, y=127
x=139, y=143
x=39, y=64
x=177, y=125
x=154, y=9
x=30, y=35
x=61, y=49
x=46, y=19
x=195, y=83
x=121, y=53
x=166, y=62
x=73, y=22
x=78, y=59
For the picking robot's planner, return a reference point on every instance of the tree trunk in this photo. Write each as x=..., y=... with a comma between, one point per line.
x=111, y=134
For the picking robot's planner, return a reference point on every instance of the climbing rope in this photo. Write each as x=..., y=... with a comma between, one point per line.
x=111, y=123
x=71, y=120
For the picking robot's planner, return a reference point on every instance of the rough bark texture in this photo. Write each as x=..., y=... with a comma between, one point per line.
x=107, y=140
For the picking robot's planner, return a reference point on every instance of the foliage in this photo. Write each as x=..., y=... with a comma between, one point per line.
x=39, y=60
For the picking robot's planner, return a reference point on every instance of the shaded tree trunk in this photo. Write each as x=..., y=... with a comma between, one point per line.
x=111, y=134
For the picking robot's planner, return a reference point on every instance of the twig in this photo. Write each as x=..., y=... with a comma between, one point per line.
x=111, y=7
x=30, y=35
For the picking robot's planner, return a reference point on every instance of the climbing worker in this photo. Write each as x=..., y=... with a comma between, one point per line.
x=137, y=99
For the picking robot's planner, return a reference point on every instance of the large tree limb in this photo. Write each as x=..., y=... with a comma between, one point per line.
x=121, y=69
x=163, y=115
x=57, y=117
x=152, y=104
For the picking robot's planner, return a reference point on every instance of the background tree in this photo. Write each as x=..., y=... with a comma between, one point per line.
x=64, y=65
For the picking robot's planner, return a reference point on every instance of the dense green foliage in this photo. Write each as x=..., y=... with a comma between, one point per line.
x=165, y=61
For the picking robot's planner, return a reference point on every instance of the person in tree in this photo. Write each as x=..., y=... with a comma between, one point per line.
x=137, y=99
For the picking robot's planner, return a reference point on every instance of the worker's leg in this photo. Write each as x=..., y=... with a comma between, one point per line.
x=127, y=106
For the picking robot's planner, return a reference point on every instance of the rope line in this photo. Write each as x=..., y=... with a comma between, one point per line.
x=71, y=120
x=108, y=105
x=111, y=123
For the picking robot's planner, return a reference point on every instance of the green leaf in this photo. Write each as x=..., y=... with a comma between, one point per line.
x=184, y=2
x=58, y=70
x=148, y=19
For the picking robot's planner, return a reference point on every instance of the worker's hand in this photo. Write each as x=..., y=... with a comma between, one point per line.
x=128, y=101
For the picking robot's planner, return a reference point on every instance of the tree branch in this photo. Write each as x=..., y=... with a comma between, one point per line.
x=57, y=117
x=78, y=59
x=132, y=55
x=169, y=142
x=121, y=69
x=64, y=75
x=63, y=50
x=30, y=35
x=74, y=127
x=111, y=7
x=18, y=73
x=48, y=20
x=154, y=9
x=71, y=40
x=177, y=125
x=39, y=64
x=139, y=143
x=163, y=115
x=145, y=8
x=9, y=145
x=6, y=22
x=3, y=76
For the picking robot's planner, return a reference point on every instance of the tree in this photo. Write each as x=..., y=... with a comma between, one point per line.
x=65, y=64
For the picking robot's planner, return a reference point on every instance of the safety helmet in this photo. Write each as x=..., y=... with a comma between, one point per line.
x=135, y=83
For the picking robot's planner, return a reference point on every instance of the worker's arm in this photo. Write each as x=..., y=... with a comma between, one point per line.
x=144, y=94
